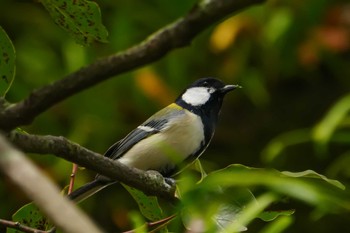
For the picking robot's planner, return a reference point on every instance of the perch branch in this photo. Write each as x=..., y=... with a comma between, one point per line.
x=175, y=35
x=151, y=183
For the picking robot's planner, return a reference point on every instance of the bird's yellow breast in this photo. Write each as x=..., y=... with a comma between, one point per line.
x=177, y=140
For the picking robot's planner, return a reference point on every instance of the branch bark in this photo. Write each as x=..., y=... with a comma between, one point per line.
x=150, y=182
x=42, y=191
x=175, y=35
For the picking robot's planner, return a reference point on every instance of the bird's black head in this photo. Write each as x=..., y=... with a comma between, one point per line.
x=204, y=97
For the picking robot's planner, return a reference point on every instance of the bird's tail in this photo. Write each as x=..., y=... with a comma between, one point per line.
x=87, y=190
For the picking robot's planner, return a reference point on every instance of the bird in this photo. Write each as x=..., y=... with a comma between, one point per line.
x=172, y=137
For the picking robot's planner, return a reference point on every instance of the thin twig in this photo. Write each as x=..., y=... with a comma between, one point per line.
x=72, y=177
x=178, y=34
x=160, y=224
x=19, y=226
x=162, y=221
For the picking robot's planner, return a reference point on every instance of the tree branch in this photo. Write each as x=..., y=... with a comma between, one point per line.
x=19, y=226
x=42, y=191
x=151, y=182
x=175, y=35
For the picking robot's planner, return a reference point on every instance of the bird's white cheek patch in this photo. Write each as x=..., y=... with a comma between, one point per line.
x=197, y=96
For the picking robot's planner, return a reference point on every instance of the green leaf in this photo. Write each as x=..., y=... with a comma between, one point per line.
x=340, y=166
x=277, y=145
x=278, y=24
x=307, y=186
x=279, y=225
x=250, y=212
x=218, y=208
x=324, y=130
x=7, y=62
x=198, y=166
x=221, y=202
x=138, y=222
x=80, y=18
x=268, y=216
x=313, y=174
x=29, y=215
x=227, y=214
x=233, y=202
x=149, y=206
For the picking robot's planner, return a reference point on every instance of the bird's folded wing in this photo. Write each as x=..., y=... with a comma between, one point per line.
x=151, y=126
x=121, y=147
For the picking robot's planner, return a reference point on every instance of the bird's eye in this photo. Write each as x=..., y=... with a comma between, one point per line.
x=205, y=84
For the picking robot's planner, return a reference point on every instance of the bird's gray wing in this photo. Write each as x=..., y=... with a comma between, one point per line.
x=120, y=148
x=151, y=126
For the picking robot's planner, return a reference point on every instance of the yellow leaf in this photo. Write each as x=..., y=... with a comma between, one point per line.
x=225, y=34
x=153, y=86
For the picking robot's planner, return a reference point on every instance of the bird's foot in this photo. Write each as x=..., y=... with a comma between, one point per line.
x=170, y=181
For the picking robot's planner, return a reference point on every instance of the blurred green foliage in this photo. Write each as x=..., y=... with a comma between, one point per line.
x=291, y=57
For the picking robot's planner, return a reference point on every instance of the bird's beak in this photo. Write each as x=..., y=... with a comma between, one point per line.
x=229, y=88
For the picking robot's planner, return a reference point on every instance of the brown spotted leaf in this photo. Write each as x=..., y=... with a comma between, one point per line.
x=7, y=62
x=80, y=18
x=29, y=215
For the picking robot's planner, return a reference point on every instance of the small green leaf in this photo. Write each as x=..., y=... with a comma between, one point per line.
x=340, y=166
x=7, y=62
x=283, y=141
x=234, y=201
x=227, y=214
x=80, y=18
x=218, y=208
x=29, y=215
x=279, y=225
x=324, y=130
x=279, y=23
x=149, y=206
x=313, y=174
x=138, y=222
x=199, y=167
x=250, y=212
x=268, y=216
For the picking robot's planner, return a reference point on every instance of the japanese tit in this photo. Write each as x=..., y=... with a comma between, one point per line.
x=177, y=134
